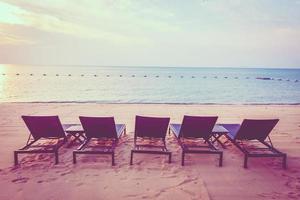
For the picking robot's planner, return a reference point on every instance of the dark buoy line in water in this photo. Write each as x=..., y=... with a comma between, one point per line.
x=166, y=76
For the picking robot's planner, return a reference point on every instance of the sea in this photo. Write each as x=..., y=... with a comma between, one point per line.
x=171, y=85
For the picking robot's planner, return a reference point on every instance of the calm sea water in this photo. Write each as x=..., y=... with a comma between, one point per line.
x=20, y=83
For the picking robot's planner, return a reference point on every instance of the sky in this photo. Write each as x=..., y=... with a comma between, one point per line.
x=193, y=33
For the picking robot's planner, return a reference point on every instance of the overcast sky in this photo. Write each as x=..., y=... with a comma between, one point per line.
x=233, y=33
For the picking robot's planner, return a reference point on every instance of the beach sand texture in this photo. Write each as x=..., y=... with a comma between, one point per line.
x=151, y=177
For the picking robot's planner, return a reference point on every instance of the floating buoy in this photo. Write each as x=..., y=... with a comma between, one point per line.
x=279, y=79
x=31, y=74
x=215, y=77
x=247, y=77
x=107, y=75
x=57, y=75
x=82, y=74
x=288, y=80
x=263, y=78
x=44, y=74
x=181, y=76
x=95, y=75
x=121, y=76
x=3, y=74
x=157, y=76
x=225, y=77
x=145, y=76
x=17, y=74
x=132, y=75
x=204, y=76
x=170, y=76
x=235, y=77
x=296, y=81
x=193, y=76
x=69, y=74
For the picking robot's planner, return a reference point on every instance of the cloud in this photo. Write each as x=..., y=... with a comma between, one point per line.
x=13, y=40
x=108, y=16
x=145, y=32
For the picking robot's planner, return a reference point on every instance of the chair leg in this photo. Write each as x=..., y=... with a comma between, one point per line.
x=284, y=161
x=113, y=159
x=131, y=158
x=16, y=158
x=170, y=157
x=221, y=160
x=74, y=158
x=246, y=161
x=56, y=157
x=182, y=158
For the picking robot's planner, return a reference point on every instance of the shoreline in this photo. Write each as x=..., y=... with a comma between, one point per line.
x=151, y=103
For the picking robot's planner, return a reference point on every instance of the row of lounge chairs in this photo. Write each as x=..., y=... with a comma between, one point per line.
x=196, y=134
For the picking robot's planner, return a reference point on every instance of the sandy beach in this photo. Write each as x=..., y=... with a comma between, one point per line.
x=151, y=177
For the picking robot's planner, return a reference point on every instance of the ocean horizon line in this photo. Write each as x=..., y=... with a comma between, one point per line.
x=155, y=66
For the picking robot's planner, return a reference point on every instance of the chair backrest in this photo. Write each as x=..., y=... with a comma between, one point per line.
x=99, y=127
x=197, y=126
x=153, y=127
x=256, y=129
x=44, y=126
